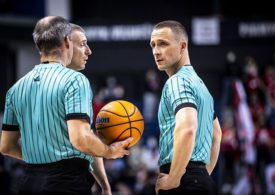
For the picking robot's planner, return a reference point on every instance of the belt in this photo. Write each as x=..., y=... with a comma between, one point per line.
x=75, y=163
x=195, y=164
x=191, y=165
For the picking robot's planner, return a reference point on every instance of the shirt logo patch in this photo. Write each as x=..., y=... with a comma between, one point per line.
x=37, y=78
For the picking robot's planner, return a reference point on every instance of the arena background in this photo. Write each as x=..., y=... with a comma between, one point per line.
x=119, y=31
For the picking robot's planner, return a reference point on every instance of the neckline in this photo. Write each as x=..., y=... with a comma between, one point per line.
x=38, y=66
x=186, y=65
x=50, y=62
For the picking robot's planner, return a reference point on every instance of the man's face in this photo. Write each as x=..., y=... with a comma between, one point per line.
x=166, y=49
x=81, y=51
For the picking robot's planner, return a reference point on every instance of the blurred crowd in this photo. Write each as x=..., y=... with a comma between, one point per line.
x=247, y=114
x=246, y=110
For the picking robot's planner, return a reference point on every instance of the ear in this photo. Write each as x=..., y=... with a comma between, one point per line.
x=67, y=41
x=183, y=45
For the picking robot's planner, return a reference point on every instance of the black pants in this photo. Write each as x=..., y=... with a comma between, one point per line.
x=196, y=180
x=70, y=177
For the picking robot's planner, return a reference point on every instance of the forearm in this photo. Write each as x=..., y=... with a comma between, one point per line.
x=214, y=156
x=184, y=141
x=9, y=144
x=91, y=144
x=85, y=140
x=215, y=149
x=14, y=152
x=182, y=153
x=99, y=173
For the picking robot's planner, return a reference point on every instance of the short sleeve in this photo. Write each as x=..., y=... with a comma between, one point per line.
x=10, y=122
x=181, y=93
x=78, y=99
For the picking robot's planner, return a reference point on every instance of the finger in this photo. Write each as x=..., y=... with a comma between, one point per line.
x=126, y=152
x=127, y=141
x=157, y=190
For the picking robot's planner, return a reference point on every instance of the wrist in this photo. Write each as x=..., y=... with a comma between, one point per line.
x=173, y=181
x=109, y=152
x=176, y=176
x=106, y=187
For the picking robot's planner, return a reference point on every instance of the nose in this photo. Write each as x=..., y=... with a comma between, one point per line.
x=88, y=50
x=156, y=51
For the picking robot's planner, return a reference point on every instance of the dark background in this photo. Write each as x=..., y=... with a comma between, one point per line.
x=128, y=61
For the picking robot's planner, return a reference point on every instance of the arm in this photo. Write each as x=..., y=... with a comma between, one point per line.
x=83, y=139
x=216, y=142
x=9, y=144
x=184, y=141
x=99, y=174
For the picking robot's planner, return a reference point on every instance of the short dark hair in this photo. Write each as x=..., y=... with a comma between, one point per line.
x=50, y=32
x=177, y=28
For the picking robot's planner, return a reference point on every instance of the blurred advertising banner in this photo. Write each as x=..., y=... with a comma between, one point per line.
x=256, y=29
x=248, y=32
x=205, y=31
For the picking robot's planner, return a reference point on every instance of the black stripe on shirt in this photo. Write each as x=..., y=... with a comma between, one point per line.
x=78, y=116
x=183, y=105
x=10, y=127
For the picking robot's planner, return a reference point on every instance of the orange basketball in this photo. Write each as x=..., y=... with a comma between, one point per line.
x=118, y=120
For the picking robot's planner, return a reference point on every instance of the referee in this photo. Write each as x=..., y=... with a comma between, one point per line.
x=81, y=51
x=190, y=133
x=50, y=110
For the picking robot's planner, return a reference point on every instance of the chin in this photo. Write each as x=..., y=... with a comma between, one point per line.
x=82, y=67
x=161, y=67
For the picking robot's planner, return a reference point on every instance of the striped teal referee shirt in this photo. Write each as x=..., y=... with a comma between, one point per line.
x=185, y=89
x=39, y=104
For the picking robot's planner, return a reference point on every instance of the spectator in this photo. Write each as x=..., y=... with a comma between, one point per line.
x=151, y=95
x=113, y=91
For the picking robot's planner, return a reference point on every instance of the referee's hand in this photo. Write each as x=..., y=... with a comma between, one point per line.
x=120, y=148
x=166, y=182
x=157, y=188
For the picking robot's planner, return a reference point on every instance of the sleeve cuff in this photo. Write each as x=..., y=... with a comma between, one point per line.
x=72, y=116
x=6, y=127
x=185, y=105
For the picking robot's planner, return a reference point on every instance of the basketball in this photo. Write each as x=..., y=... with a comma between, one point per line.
x=118, y=120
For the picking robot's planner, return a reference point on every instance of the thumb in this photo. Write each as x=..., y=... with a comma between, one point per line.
x=161, y=175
